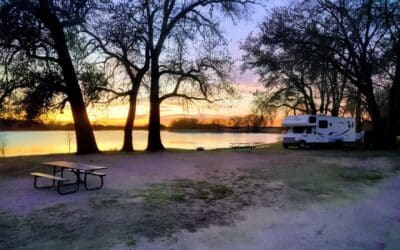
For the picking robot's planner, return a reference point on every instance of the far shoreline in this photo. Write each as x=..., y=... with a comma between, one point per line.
x=269, y=130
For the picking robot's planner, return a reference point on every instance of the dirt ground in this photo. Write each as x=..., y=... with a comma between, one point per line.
x=263, y=199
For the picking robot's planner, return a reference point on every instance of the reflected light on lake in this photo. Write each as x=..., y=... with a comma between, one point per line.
x=51, y=142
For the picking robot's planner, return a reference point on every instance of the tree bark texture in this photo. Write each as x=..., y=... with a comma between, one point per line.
x=85, y=139
x=154, y=138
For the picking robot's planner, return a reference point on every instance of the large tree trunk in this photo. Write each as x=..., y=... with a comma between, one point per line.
x=378, y=124
x=394, y=109
x=85, y=139
x=154, y=138
x=313, y=110
x=136, y=80
x=358, y=112
x=128, y=140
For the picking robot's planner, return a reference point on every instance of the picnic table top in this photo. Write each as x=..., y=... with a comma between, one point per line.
x=73, y=165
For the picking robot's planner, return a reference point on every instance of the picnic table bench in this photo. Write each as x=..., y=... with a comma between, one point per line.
x=77, y=169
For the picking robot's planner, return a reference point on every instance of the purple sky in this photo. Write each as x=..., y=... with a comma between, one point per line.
x=238, y=33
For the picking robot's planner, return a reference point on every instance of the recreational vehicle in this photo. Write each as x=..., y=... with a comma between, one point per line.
x=300, y=130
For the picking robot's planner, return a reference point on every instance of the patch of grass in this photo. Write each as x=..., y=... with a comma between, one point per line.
x=157, y=195
x=220, y=191
x=277, y=146
x=178, y=197
x=101, y=203
x=201, y=194
x=317, y=181
x=185, y=190
x=357, y=175
x=242, y=177
x=12, y=167
x=359, y=153
x=131, y=243
x=6, y=229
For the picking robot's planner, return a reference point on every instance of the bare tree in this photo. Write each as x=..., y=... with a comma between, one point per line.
x=203, y=76
x=41, y=30
x=189, y=20
x=295, y=81
x=390, y=10
x=183, y=74
x=352, y=37
x=359, y=30
x=117, y=30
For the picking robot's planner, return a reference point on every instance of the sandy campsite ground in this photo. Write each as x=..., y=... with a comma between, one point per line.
x=264, y=199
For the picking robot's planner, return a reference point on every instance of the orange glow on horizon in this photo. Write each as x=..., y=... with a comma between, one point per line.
x=115, y=114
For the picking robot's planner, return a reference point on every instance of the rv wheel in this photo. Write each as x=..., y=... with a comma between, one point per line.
x=302, y=145
x=285, y=145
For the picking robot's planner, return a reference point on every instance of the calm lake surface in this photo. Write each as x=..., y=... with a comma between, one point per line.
x=50, y=142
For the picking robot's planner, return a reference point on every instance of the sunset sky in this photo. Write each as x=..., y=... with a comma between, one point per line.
x=247, y=83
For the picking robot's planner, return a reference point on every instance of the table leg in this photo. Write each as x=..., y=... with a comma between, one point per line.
x=79, y=173
x=60, y=185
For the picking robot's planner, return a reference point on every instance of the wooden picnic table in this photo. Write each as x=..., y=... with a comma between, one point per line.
x=77, y=168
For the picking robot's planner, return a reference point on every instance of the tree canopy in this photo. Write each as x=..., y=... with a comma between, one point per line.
x=334, y=48
x=39, y=43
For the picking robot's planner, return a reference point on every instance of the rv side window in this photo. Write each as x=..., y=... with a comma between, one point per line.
x=312, y=119
x=298, y=130
x=323, y=124
x=308, y=130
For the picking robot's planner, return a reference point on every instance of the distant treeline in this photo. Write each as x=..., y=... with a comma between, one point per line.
x=249, y=123
x=235, y=124
x=14, y=124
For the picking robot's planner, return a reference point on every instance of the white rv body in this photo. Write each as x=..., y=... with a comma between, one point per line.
x=311, y=129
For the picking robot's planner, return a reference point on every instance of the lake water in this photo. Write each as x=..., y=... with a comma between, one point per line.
x=50, y=142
